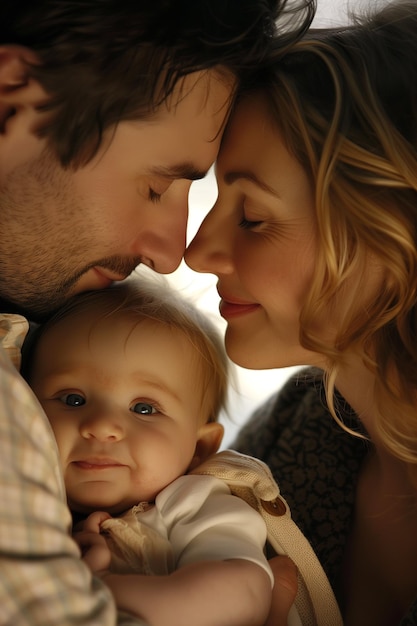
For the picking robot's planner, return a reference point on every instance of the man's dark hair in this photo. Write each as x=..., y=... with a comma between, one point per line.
x=103, y=61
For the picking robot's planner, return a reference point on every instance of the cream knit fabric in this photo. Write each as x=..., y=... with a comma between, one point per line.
x=251, y=480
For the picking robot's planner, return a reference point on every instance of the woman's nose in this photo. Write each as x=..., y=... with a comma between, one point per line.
x=211, y=249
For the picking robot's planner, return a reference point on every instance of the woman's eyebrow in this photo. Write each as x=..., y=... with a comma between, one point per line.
x=231, y=177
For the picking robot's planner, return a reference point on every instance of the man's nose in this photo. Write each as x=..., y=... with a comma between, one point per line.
x=162, y=245
x=163, y=251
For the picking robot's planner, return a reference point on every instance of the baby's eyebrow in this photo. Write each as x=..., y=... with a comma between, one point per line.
x=156, y=385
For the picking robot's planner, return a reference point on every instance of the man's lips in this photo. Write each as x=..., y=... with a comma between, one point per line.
x=230, y=307
x=96, y=278
x=109, y=276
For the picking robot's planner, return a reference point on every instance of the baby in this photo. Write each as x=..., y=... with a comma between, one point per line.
x=132, y=379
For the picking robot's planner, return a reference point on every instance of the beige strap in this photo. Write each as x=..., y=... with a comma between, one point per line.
x=252, y=480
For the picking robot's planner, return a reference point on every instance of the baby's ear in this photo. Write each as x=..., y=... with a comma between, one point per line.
x=209, y=439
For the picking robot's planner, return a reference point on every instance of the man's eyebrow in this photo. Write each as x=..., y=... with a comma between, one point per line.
x=181, y=170
x=231, y=177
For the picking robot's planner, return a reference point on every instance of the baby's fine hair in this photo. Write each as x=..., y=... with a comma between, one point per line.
x=143, y=299
x=345, y=103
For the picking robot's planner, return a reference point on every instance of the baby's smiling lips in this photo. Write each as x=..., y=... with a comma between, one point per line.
x=99, y=463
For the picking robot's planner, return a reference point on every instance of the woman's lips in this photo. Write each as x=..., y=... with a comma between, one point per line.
x=230, y=309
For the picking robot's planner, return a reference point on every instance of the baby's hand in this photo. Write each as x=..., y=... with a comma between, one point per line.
x=94, y=549
x=93, y=522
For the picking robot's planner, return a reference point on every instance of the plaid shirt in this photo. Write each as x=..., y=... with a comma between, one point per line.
x=42, y=578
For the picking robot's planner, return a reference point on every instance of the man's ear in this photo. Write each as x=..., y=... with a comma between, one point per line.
x=209, y=439
x=19, y=94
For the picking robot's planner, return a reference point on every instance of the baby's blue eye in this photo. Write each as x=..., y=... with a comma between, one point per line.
x=73, y=399
x=143, y=408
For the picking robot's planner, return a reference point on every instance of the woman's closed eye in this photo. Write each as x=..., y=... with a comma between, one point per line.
x=252, y=214
x=249, y=224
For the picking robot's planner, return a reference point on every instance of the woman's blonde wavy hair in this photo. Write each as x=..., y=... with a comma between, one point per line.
x=345, y=103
